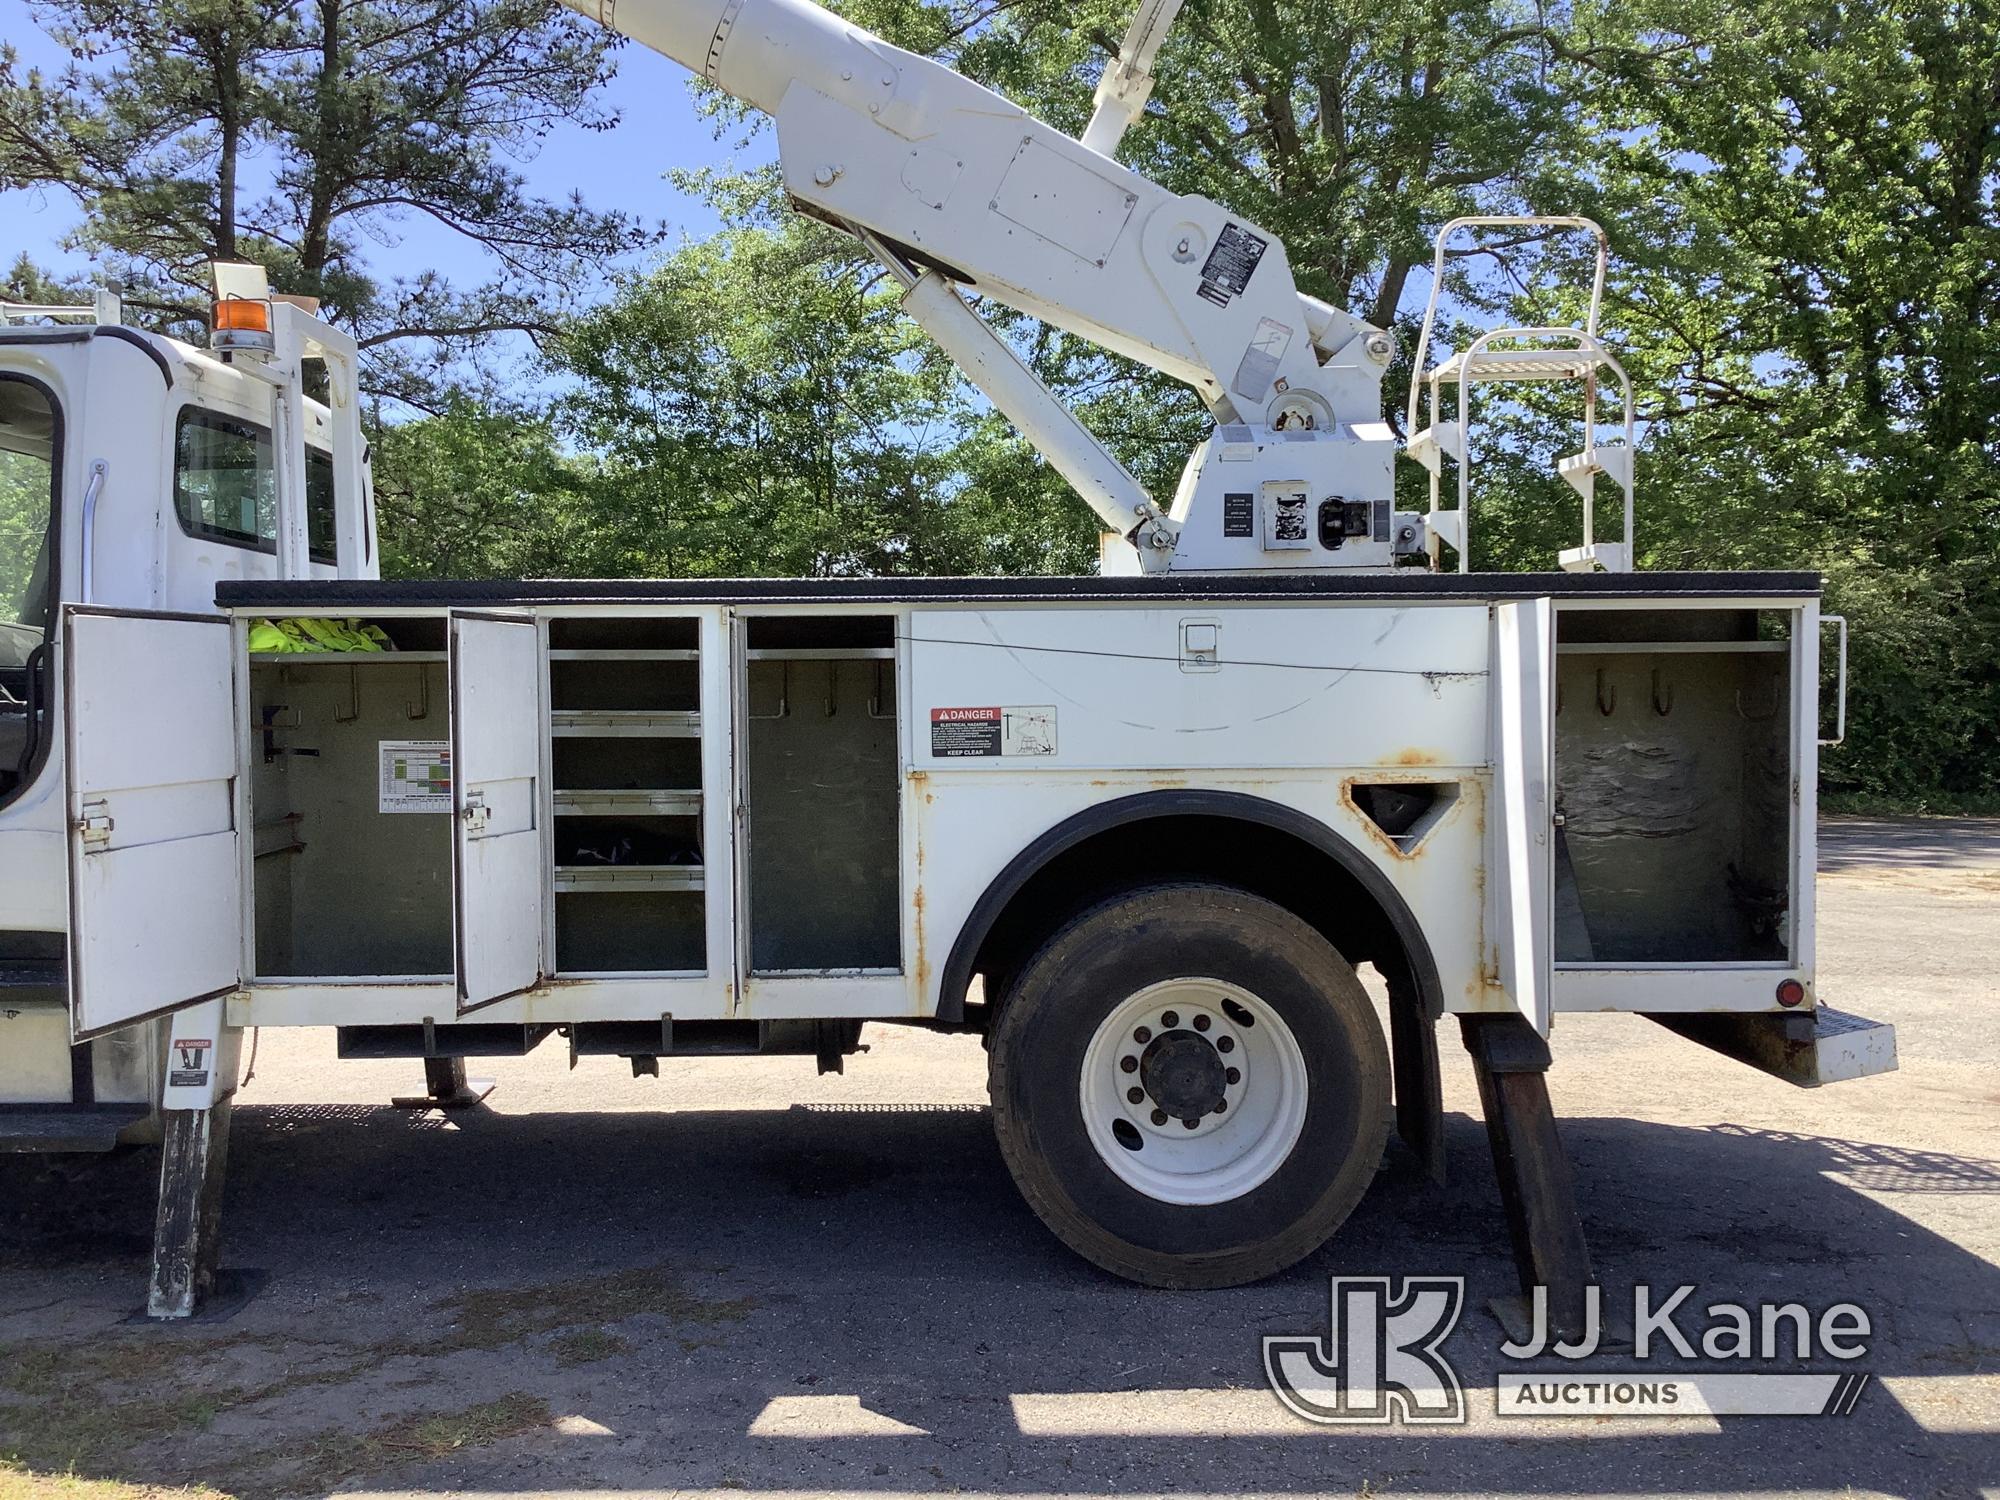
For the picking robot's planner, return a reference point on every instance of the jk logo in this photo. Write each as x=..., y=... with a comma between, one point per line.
x=1382, y=1359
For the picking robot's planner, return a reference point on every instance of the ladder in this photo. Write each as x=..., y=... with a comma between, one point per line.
x=1515, y=356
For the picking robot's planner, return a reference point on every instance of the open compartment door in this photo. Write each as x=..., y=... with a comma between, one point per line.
x=498, y=874
x=1520, y=864
x=155, y=885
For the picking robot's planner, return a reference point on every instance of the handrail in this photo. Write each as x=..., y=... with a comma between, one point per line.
x=1840, y=722
x=98, y=469
x=1501, y=221
x=1586, y=343
x=36, y=707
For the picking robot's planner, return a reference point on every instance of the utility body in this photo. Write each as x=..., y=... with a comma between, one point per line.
x=1146, y=831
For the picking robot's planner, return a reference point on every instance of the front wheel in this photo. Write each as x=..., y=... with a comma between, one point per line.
x=1189, y=1086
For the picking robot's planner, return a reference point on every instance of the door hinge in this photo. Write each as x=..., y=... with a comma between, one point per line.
x=95, y=826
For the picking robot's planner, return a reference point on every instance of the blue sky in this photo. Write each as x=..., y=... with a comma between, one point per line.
x=622, y=168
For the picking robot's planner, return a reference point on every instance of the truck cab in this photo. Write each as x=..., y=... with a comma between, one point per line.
x=137, y=472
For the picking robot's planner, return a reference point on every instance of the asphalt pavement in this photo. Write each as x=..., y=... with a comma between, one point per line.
x=743, y=1278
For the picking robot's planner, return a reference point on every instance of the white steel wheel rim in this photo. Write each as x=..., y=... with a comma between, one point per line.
x=1151, y=1044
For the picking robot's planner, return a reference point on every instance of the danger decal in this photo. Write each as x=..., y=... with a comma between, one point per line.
x=958, y=733
x=190, y=1070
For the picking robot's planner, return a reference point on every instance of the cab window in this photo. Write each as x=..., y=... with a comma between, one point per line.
x=225, y=489
x=30, y=443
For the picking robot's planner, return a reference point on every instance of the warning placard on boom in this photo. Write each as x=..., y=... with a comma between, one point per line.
x=965, y=732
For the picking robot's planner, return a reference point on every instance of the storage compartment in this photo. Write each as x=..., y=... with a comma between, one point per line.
x=604, y=930
x=1673, y=786
x=350, y=799
x=821, y=786
x=625, y=763
x=625, y=756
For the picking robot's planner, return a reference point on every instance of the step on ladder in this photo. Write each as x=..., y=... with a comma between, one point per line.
x=1516, y=356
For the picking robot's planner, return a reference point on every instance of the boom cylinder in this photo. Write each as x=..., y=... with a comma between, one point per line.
x=1013, y=388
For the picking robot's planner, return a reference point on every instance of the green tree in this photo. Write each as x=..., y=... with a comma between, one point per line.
x=1804, y=201
x=756, y=404
x=357, y=115
x=472, y=491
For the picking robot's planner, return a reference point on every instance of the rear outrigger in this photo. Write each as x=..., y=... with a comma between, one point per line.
x=1141, y=830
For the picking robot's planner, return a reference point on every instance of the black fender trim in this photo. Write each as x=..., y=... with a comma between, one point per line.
x=957, y=974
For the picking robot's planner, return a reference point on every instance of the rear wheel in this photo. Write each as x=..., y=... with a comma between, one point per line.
x=1189, y=1086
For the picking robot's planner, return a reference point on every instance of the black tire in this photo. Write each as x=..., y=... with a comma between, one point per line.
x=1112, y=951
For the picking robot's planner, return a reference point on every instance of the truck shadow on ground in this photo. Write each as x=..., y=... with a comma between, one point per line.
x=666, y=1282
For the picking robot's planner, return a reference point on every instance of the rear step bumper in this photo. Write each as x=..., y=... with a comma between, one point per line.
x=27, y=1129
x=1807, y=1048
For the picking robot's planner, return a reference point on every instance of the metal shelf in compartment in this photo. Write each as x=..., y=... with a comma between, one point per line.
x=1671, y=648
x=627, y=803
x=638, y=878
x=625, y=723
x=342, y=658
x=577, y=653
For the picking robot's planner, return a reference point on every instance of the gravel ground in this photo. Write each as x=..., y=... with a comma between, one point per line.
x=741, y=1277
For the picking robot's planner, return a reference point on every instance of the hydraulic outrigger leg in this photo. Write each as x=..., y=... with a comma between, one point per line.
x=194, y=1107
x=1537, y=1189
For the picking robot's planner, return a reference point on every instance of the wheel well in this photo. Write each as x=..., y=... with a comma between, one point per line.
x=1262, y=847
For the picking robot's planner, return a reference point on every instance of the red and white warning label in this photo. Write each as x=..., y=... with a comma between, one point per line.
x=190, y=1059
x=961, y=732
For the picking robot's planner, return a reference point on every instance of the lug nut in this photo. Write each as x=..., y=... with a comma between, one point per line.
x=1231, y=1075
x=1143, y=1035
x=1225, y=1044
x=1128, y=1064
x=1221, y=1105
x=1201, y=1023
x=1159, y=1117
x=1192, y=1122
x=1135, y=1095
x=1170, y=1020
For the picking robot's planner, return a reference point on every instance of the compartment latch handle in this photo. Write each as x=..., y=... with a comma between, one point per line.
x=476, y=815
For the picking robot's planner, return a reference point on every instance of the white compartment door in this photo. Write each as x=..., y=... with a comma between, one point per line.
x=497, y=866
x=155, y=887
x=1520, y=862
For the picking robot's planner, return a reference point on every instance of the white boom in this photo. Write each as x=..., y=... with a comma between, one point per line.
x=950, y=182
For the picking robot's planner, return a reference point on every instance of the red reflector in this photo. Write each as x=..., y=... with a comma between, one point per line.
x=1790, y=992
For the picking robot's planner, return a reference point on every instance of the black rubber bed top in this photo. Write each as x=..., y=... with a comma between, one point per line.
x=355, y=595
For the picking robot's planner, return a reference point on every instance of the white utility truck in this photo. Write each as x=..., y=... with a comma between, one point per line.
x=1139, y=829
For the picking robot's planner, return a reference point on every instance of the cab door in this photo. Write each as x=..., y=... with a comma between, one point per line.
x=155, y=887
x=1520, y=861
x=498, y=871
